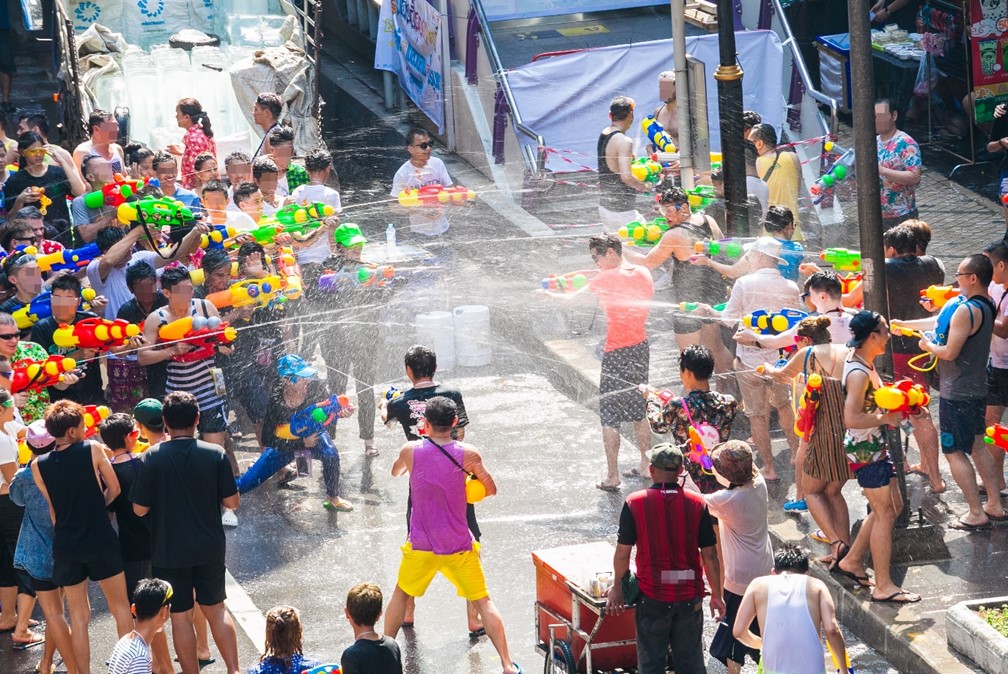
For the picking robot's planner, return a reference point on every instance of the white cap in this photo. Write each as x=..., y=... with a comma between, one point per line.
x=767, y=245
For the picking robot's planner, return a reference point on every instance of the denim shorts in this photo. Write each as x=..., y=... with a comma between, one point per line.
x=875, y=475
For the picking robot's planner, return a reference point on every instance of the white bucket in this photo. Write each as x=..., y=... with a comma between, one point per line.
x=437, y=330
x=472, y=335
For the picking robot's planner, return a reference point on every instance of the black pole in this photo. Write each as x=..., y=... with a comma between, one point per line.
x=729, y=82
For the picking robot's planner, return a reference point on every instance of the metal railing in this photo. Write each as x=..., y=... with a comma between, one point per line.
x=535, y=159
x=308, y=14
x=64, y=46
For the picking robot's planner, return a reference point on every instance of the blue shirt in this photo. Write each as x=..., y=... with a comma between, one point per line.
x=35, y=542
x=793, y=254
x=271, y=665
x=190, y=201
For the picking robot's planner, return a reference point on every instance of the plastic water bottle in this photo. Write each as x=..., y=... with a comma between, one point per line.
x=390, y=242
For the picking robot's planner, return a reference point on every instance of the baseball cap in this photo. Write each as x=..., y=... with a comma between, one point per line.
x=291, y=366
x=149, y=413
x=733, y=459
x=861, y=327
x=667, y=457
x=37, y=435
x=348, y=234
x=767, y=245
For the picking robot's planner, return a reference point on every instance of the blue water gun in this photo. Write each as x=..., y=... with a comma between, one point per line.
x=322, y=669
x=313, y=419
x=773, y=322
x=41, y=307
x=71, y=260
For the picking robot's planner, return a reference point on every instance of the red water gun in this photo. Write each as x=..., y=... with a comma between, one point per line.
x=850, y=283
x=35, y=375
x=903, y=396
x=805, y=420
x=95, y=333
x=997, y=435
x=114, y=194
x=93, y=416
x=204, y=334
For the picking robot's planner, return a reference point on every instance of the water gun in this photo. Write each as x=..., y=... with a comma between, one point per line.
x=35, y=375
x=313, y=419
x=565, y=282
x=322, y=669
x=433, y=195
x=656, y=134
x=643, y=233
x=114, y=194
x=687, y=307
x=95, y=333
x=266, y=234
x=903, y=396
x=71, y=260
x=848, y=667
x=842, y=259
x=730, y=248
x=698, y=453
x=294, y=214
x=997, y=435
x=286, y=262
x=44, y=202
x=939, y=295
x=392, y=393
x=805, y=419
x=159, y=212
x=773, y=323
x=700, y=197
x=218, y=235
x=250, y=292
x=646, y=170
x=204, y=334
x=41, y=307
x=938, y=336
x=850, y=282
x=841, y=168
x=93, y=416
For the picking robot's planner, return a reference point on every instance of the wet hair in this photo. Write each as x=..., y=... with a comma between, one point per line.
x=600, y=243
x=243, y=192
x=672, y=194
x=180, y=409
x=162, y=157
x=172, y=276
x=281, y=135
x=97, y=118
x=139, y=271
x=790, y=557
x=150, y=596
x=201, y=159
x=751, y=118
x=827, y=282
x=16, y=228
x=251, y=249
x=115, y=429
x=36, y=120
x=67, y=282
x=283, y=635
x=697, y=359
x=237, y=157
x=215, y=259
x=108, y=237
x=414, y=133
x=25, y=141
x=192, y=109
x=997, y=251
x=137, y=152
x=440, y=412
x=901, y=239
x=271, y=102
x=63, y=415
x=815, y=328
x=921, y=232
x=765, y=133
x=86, y=164
x=214, y=185
x=886, y=102
x=263, y=165
x=421, y=360
x=364, y=604
x=981, y=266
x=318, y=159
x=777, y=219
x=620, y=108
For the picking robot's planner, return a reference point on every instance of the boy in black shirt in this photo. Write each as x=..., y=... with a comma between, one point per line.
x=371, y=652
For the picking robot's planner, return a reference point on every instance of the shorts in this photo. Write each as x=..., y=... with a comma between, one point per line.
x=724, y=646
x=760, y=393
x=67, y=572
x=205, y=580
x=623, y=370
x=997, y=387
x=11, y=515
x=875, y=475
x=613, y=220
x=462, y=569
x=214, y=420
x=36, y=584
x=960, y=423
x=902, y=370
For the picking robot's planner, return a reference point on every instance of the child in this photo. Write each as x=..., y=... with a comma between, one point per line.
x=265, y=175
x=319, y=165
x=371, y=653
x=238, y=169
x=132, y=653
x=283, y=644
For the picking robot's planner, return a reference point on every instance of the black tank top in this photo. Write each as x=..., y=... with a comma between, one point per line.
x=693, y=283
x=614, y=194
x=83, y=530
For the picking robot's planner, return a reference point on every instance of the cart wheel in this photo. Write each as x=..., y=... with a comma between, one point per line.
x=563, y=659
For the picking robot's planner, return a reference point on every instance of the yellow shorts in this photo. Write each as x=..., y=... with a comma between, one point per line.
x=462, y=569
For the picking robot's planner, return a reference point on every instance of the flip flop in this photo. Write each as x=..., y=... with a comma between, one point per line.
x=207, y=662
x=959, y=525
x=406, y=625
x=633, y=472
x=891, y=599
x=476, y=634
x=519, y=668
x=999, y=520
x=611, y=488
x=819, y=537
x=371, y=451
x=37, y=640
x=862, y=581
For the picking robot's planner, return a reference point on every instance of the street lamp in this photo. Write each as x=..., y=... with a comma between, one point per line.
x=729, y=83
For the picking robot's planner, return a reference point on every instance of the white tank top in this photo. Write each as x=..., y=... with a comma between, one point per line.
x=791, y=642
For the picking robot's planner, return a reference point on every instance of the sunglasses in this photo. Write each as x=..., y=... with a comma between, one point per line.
x=10, y=335
x=36, y=152
x=424, y=146
x=6, y=374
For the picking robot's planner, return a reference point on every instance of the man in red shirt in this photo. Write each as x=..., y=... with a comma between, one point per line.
x=624, y=291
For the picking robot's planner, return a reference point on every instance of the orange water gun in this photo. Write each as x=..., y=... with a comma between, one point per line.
x=250, y=292
x=35, y=375
x=903, y=396
x=805, y=419
x=204, y=334
x=93, y=416
x=939, y=295
x=95, y=333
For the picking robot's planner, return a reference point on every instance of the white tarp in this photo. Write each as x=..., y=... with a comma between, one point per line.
x=582, y=84
x=410, y=44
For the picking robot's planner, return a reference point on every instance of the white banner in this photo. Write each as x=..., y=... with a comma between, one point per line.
x=582, y=84
x=409, y=44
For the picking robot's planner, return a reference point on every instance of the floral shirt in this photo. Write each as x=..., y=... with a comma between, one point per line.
x=38, y=401
x=47, y=247
x=706, y=407
x=901, y=153
x=196, y=143
x=296, y=177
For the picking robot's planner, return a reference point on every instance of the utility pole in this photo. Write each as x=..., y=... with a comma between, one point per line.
x=678, y=14
x=729, y=84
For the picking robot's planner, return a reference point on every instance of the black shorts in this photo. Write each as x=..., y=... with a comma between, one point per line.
x=961, y=421
x=997, y=387
x=11, y=515
x=623, y=370
x=67, y=572
x=214, y=420
x=36, y=584
x=205, y=580
x=724, y=646
x=875, y=475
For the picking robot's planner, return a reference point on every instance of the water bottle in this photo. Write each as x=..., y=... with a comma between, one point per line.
x=390, y=242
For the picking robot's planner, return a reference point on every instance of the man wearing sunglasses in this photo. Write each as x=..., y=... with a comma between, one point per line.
x=421, y=170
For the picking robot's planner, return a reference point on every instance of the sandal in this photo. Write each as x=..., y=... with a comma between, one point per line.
x=841, y=552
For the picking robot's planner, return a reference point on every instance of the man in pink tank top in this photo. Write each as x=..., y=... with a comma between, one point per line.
x=439, y=539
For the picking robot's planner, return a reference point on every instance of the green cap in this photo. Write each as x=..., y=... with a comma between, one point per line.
x=348, y=235
x=148, y=412
x=666, y=457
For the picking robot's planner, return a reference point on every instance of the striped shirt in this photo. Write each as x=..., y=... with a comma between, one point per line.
x=131, y=655
x=192, y=377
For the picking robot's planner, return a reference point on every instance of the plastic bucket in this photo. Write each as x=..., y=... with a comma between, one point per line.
x=437, y=330
x=472, y=335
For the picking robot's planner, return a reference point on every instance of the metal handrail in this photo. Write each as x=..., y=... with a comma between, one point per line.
x=65, y=43
x=534, y=161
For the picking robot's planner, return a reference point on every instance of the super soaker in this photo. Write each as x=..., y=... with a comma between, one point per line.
x=313, y=419
x=656, y=134
x=646, y=170
x=434, y=195
x=564, y=282
x=841, y=168
x=939, y=295
x=31, y=375
x=95, y=333
x=842, y=259
x=204, y=334
x=163, y=212
x=700, y=197
x=773, y=323
x=729, y=248
x=805, y=419
x=903, y=396
x=115, y=193
x=93, y=416
x=41, y=307
x=997, y=435
x=66, y=259
x=639, y=233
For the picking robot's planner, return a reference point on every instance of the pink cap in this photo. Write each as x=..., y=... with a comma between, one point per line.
x=38, y=437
